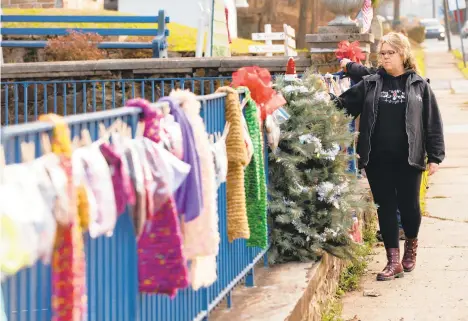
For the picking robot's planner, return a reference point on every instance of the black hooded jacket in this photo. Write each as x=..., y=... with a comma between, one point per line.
x=423, y=123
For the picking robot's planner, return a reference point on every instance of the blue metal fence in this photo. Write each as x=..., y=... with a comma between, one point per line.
x=24, y=101
x=112, y=262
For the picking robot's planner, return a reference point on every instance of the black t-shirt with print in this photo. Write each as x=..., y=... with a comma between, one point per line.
x=389, y=135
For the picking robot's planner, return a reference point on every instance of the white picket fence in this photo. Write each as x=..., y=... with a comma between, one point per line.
x=287, y=36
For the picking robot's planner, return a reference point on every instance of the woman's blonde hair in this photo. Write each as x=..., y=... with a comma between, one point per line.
x=402, y=46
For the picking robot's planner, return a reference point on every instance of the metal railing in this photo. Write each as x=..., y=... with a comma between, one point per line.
x=112, y=262
x=24, y=101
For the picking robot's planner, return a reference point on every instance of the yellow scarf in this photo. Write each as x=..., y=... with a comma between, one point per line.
x=237, y=223
x=68, y=260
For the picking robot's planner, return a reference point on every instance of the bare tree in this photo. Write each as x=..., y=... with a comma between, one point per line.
x=303, y=21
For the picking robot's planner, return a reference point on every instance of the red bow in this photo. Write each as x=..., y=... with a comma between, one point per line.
x=352, y=51
x=258, y=80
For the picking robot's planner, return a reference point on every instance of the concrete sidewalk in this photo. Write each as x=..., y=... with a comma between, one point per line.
x=438, y=288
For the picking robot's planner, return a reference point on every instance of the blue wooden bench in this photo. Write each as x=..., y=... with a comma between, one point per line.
x=158, y=45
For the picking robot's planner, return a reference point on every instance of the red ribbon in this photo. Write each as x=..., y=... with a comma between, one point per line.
x=258, y=80
x=351, y=51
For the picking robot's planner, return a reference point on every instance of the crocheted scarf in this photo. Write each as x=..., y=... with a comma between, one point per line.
x=237, y=223
x=207, y=223
x=255, y=183
x=161, y=265
x=188, y=196
x=68, y=260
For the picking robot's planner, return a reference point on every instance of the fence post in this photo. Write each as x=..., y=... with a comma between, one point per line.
x=1, y=50
x=160, y=42
x=268, y=42
x=250, y=278
x=205, y=303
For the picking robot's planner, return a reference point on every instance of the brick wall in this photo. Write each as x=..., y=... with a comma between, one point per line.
x=27, y=4
x=46, y=4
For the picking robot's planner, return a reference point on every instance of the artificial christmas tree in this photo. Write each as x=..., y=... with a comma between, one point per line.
x=312, y=198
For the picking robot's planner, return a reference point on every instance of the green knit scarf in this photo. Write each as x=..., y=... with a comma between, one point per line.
x=254, y=179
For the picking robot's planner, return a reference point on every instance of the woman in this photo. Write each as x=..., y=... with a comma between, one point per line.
x=400, y=126
x=356, y=72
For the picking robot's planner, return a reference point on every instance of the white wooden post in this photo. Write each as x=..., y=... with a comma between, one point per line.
x=202, y=28
x=268, y=42
x=209, y=39
x=289, y=41
x=286, y=36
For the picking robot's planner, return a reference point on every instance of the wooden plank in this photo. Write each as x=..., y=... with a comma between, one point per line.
x=23, y=44
x=102, y=45
x=65, y=31
x=266, y=48
x=290, y=31
x=268, y=36
x=80, y=19
x=291, y=43
x=268, y=42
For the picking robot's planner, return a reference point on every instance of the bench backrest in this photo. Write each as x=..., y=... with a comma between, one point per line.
x=158, y=45
x=160, y=19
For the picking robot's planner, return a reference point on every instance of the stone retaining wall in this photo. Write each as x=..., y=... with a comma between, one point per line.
x=144, y=68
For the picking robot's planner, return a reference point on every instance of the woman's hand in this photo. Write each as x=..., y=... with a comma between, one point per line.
x=344, y=62
x=432, y=168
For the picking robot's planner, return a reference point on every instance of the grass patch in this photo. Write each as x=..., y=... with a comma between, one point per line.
x=334, y=311
x=350, y=277
x=423, y=193
x=459, y=56
x=350, y=280
x=181, y=38
x=421, y=65
x=419, y=56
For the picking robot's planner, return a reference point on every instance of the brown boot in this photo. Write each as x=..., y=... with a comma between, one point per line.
x=394, y=269
x=409, y=257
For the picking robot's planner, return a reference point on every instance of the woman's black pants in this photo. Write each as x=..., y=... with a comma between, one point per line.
x=395, y=185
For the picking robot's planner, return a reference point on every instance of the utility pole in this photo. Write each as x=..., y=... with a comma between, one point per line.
x=460, y=29
x=466, y=10
x=434, y=9
x=447, y=27
x=396, y=13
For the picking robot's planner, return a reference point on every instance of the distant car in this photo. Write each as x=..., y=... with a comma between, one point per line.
x=464, y=32
x=434, y=29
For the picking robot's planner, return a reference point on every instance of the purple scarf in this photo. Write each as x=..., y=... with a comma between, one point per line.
x=161, y=265
x=188, y=197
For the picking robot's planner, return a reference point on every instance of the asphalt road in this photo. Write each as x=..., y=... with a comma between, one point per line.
x=434, y=45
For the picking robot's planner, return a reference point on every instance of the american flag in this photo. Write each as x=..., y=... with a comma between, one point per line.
x=365, y=15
